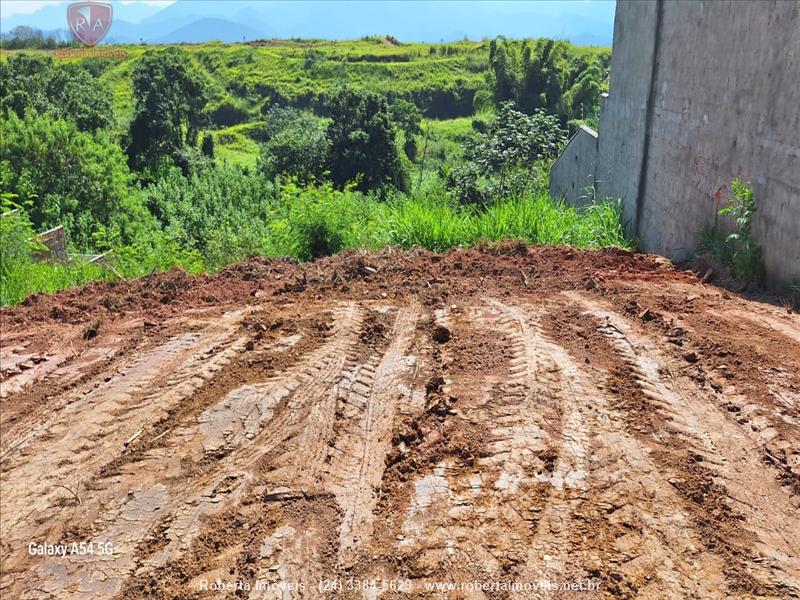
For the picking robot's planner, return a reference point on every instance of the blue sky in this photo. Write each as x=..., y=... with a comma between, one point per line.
x=170, y=21
x=9, y=8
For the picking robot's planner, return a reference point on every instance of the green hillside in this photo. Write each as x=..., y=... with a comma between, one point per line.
x=442, y=78
x=199, y=155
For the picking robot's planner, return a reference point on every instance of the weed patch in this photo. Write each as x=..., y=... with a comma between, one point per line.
x=736, y=250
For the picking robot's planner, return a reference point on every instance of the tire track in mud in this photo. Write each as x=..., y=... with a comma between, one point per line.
x=28, y=370
x=786, y=327
x=257, y=419
x=432, y=478
x=737, y=504
x=344, y=455
x=356, y=481
x=585, y=529
x=746, y=360
x=475, y=515
x=69, y=448
x=33, y=409
x=767, y=399
x=178, y=484
x=544, y=498
x=547, y=555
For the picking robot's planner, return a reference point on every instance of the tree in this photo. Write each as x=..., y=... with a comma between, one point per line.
x=299, y=148
x=501, y=160
x=406, y=117
x=24, y=37
x=65, y=91
x=171, y=95
x=363, y=142
x=584, y=97
x=503, y=60
x=556, y=76
x=207, y=147
x=546, y=73
x=69, y=177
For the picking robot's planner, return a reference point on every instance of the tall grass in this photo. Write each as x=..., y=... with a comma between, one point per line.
x=26, y=278
x=534, y=218
x=309, y=222
x=431, y=224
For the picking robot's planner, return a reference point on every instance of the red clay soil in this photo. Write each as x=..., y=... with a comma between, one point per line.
x=506, y=422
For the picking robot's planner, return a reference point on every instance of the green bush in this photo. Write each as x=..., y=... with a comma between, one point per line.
x=298, y=148
x=294, y=183
x=33, y=82
x=221, y=214
x=502, y=160
x=229, y=112
x=70, y=177
x=318, y=221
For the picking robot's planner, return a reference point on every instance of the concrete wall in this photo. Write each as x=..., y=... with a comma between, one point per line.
x=701, y=93
x=624, y=111
x=726, y=105
x=574, y=170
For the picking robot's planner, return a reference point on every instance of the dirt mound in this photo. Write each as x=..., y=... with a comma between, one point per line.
x=501, y=422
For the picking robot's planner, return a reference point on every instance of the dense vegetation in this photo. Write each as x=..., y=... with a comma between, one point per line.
x=202, y=155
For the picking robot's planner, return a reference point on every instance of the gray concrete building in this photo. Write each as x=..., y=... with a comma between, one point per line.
x=701, y=93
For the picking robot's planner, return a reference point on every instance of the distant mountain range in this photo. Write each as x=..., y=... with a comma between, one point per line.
x=585, y=22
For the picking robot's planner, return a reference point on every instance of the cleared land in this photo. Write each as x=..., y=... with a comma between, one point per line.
x=517, y=414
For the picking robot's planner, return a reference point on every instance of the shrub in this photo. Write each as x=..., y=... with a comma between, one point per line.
x=229, y=112
x=220, y=213
x=64, y=91
x=16, y=232
x=501, y=160
x=737, y=250
x=319, y=221
x=70, y=177
x=19, y=274
x=299, y=148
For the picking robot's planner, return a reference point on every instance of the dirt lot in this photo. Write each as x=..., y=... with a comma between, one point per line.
x=519, y=415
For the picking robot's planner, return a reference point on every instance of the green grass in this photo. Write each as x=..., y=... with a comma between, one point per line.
x=452, y=129
x=307, y=223
x=27, y=278
x=534, y=219
x=236, y=145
